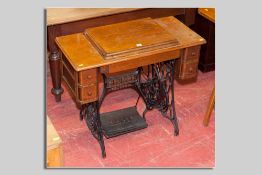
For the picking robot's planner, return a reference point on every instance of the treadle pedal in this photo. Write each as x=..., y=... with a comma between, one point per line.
x=122, y=121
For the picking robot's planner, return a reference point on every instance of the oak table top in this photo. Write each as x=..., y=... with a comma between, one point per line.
x=82, y=54
x=63, y=15
x=208, y=13
x=131, y=37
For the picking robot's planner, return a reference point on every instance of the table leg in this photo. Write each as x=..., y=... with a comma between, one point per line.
x=55, y=69
x=90, y=113
x=55, y=62
x=173, y=109
x=155, y=91
x=210, y=108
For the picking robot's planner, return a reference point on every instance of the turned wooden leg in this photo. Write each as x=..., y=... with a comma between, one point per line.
x=55, y=61
x=55, y=70
x=210, y=108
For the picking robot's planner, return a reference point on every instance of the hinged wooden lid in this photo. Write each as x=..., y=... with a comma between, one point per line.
x=130, y=38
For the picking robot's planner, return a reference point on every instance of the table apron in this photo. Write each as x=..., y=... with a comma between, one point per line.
x=142, y=61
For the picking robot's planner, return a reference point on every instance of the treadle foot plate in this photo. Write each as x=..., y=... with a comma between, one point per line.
x=121, y=122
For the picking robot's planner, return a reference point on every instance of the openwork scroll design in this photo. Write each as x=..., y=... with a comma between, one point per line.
x=113, y=83
x=89, y=112
x=155, y=86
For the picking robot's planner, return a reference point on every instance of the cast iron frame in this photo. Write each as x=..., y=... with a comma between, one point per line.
x=154, y=86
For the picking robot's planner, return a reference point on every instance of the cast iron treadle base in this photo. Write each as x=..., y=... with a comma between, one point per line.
x=121, y=121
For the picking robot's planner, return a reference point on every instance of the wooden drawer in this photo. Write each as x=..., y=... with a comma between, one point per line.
x=83, y=86
x=186, y=67
x=189, y=70
x=87, y=77
x=143, y=61
x=191, y=53
x=87, y=94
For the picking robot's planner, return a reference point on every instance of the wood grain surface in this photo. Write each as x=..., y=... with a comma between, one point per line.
x=125, y=38
x=82, y=55
x=208, y=13
x=64, y=15
x=54, y=146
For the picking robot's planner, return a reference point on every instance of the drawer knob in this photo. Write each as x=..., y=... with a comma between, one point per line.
x=89, y=93
x=190, y=69
x=193, y=53
x=89, y=76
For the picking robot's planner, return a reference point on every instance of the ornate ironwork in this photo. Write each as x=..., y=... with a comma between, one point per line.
x=122, y=81
x=89, y=112
x=155, y=88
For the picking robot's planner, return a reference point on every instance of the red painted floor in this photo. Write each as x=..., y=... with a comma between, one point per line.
x=155, y=146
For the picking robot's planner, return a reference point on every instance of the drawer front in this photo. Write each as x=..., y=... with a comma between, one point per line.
x=143, y=61
x=187, y=66
x=189, y=70
x=191, y=53
x=87, y=77
x=87, y=94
